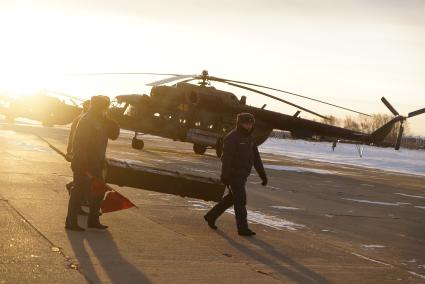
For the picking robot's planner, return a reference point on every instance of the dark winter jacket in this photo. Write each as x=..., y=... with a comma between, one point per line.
x=240, y=153
x=89, y=147
x=74, y=124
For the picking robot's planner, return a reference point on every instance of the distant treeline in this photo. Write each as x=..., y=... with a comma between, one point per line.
x=368, y=124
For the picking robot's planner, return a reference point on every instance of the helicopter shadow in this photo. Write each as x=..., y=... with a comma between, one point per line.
x=98, y=248
x=276, y=261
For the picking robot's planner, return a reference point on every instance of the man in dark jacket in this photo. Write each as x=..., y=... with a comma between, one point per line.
x=88, y=160
x=69, y=150
x=240, y=153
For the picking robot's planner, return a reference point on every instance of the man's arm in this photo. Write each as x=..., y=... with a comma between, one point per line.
x=81, y=146
x=258, y=165
x=229, y=149
x=74, y=124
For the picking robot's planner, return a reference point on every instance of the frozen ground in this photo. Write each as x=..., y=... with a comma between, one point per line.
x=403, y=161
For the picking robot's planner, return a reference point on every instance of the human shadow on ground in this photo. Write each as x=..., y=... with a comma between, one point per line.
x=276, y=261
x=92, y=247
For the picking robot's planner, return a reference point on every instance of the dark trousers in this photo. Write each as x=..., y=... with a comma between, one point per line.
x=237, y=198
x=81, y=189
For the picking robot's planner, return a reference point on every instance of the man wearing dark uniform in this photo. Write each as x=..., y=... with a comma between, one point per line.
x=240, y=153
x=69, y=150
x=88, y=160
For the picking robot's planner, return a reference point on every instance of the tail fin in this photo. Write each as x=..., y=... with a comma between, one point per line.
x=383, y=131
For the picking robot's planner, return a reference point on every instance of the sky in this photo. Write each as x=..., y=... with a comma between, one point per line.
x=347, y=52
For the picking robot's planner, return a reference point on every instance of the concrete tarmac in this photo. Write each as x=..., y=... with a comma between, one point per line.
x=315, y=222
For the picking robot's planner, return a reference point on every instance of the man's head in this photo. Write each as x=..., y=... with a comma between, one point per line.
x=99, y=104
x=246, y=121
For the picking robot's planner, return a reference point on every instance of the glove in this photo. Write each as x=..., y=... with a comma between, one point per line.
x=68, y=157
x=264, y=180
x=225, y=180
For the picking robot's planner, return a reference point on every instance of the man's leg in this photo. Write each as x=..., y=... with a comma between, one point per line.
x=80, y=185
x=220, y=207
x=94, y=205
x=239, y=194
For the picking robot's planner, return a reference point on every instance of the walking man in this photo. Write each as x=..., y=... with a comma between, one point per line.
x=240, y=153
x=88, y=160
x=69, y=151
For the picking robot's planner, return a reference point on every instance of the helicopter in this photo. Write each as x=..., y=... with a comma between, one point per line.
x=202, y=115
x=43, y=107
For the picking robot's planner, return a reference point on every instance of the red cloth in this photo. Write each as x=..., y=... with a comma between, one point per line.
x=114, y=202
x=98, y=188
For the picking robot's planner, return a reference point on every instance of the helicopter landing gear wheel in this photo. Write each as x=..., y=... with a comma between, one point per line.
x=199, y=149
x=137, y=144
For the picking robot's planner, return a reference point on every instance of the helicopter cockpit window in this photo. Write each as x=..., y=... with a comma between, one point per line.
x=129, y=110
x=116, y=104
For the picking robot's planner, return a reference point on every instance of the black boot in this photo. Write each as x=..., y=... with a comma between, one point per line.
x=93, y=222
x=211, y=223
x=97, y=225
x=73, y=226
x=246, y=232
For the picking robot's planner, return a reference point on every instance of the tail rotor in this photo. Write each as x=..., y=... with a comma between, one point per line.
x=401, y=119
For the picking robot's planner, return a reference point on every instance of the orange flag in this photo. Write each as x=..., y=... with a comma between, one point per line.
x=114, y=201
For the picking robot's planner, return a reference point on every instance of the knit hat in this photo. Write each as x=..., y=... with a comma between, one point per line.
x=100, y=102
x=245, y=118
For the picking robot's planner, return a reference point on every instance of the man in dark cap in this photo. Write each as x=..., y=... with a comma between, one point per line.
x=88, y=160
x=240, y=153
x=69, y=150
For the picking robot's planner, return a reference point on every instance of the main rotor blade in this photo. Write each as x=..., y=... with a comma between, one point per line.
x=169, y=80
x=290, y=93
x=64, y=95
x=416, y=112
x=276, y=98
x=130, y=73
x=389, y=106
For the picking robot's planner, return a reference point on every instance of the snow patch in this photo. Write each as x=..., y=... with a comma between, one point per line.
x=414, y=196
x=299, y=169
x=270, y=221
x=402, y=161
x=373, y=246
x=378, y=202
x=370, y=259
x=417, y=274
x=256, y=217
x=285, y=208
x=30, y=147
